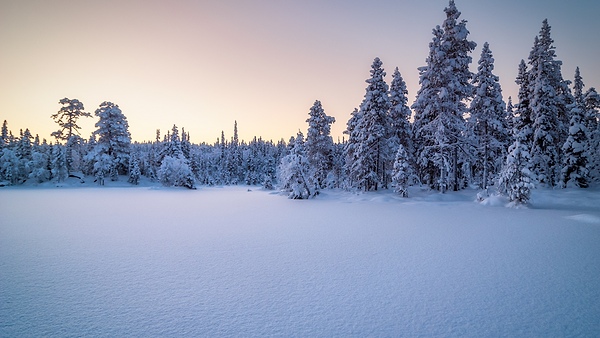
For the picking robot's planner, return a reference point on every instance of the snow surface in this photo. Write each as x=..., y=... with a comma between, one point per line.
x=214, y=262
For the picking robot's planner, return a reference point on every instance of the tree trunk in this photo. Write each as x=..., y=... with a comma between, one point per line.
x=485, y=166
x=455, y=167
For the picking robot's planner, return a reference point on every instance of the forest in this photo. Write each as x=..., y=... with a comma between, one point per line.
x=459, y=132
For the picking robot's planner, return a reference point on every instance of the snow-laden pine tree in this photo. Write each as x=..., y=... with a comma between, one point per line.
x=402, y=172
x=510, y=119
x=440, y=104
x=592, y=104
x=319, y=144
x=400, y=128
x=134, y=171
x=294, y=172
x=426, y=110
x=40, y=162
x=516, y=179
x=268, y=183
x=58, y=163
x=575, y=148
x=336, y=176
x=174, y=168
x=349, y=148
x=548, y=101
x=4, y=136
x=234, y=158
x=523, y=113
x=371, y=150
x=67, y=118
x=489, y=118
x=23, y=151
x=112, y=148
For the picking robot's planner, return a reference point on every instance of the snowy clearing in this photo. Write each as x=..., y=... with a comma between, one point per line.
x=213, y=262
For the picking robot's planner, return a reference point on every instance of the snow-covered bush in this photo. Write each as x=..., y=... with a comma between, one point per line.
x=516, y=179
x=294, y=172
x=175, y=172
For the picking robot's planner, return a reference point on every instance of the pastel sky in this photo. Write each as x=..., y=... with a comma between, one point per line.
x=203, y=64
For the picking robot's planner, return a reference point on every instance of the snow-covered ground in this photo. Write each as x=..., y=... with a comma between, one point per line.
x=213, y=262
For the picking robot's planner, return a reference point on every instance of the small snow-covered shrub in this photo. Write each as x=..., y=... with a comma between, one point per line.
x=175, y=172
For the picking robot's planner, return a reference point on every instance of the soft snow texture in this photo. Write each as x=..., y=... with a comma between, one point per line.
x=216, y=262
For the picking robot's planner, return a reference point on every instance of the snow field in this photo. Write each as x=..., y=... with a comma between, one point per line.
x=232, y=262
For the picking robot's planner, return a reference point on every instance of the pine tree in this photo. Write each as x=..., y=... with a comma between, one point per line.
x=515, y=178
x=400, y=128
x=319, y=143
x=174, y=168
x=489, y=117
x=350, y=146
x=575, y=157
x=426, y=109
x=293, y=171
x=548, y=101
x=510, y=119
x=9, y=166
x=268, y=183
x=371, y=150
x=67, y=118
x=234, y=158
x=39, y=166
x=440, y=105
x=134, y=172
x=59, y=163
x=523, y=117
x=4, y=136
x=114, y=140
x=592, y=104
x=402, y=172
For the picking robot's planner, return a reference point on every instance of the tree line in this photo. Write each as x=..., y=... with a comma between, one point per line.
x=458, y=132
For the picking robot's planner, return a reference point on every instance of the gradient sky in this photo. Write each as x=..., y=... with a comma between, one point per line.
x=203, y=64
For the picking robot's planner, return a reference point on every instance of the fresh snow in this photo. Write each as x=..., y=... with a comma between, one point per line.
x=231, y=261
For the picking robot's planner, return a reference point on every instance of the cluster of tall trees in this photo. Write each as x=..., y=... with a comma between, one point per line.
x=458, y=132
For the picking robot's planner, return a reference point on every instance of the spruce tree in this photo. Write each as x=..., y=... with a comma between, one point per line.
x=575, y=157
x=592, y=104
x=59, y=163
x=319, y=143
x=293, y=172
x=516, y=179
x=174, y=168
x=4, y=136
x=510, y=119
x=114, y=140
x=400, y=128
x=440, y=105
x=489, y=117
x=134, y=172
x=371, y=150
x=349, y=147
x=402, y=172
x=524, y=122
x=426, y=109
x=548, y=101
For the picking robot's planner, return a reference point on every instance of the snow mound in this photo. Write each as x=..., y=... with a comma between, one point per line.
x=496, y=201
